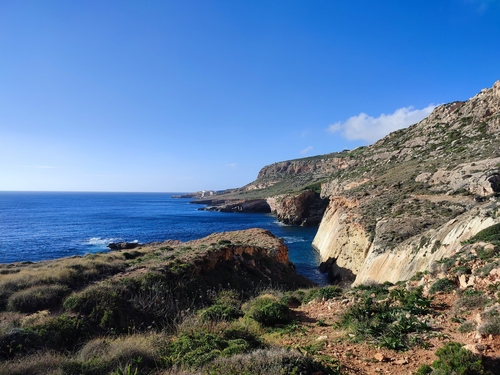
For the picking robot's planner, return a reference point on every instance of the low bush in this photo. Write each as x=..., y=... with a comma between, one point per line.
x=442, y=285
x=104, y=305
x=490, y=324
x=196, y=349
x=454, y=359
x=490, y=234
x=270, y=361
x=467, y=327
x=391, y=325
x=220, y=313
x=328, y=292
x=470, y=299
x=37, y=298
x=268, y=311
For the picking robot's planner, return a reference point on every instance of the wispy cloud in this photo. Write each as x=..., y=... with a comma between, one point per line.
x=232, y=165
x=306, y=150
x=481, y=6
x=371, y=129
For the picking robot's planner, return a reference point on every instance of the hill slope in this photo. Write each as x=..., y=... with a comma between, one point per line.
x=409, y=199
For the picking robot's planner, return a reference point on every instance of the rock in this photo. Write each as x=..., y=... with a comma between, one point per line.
x=462, y=279
x=304, y=209
x=402, y=361
x=380, y=357
x=322, y=338
x=474, y=348
x=123, y=245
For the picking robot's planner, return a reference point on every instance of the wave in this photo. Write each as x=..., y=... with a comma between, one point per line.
x=294, y=239
x=99, y=241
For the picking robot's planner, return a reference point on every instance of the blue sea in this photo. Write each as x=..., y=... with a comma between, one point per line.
x=47, y=225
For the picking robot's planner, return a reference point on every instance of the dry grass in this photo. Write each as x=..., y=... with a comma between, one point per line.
x=38, y=364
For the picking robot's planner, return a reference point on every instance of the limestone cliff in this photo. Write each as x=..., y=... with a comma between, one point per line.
x=411, y=198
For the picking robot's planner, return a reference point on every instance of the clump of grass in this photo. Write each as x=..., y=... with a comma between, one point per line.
x=104, y=355
x=470, y=299
x=271, y=361
x=37, y=298
x=325, y=293
x=37, y=364
x=467, y=327
x=490, y=322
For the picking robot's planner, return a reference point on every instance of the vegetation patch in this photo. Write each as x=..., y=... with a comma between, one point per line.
x=394, y=323
x=453, y=358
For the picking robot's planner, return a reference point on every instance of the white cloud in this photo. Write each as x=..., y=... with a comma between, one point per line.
x=371, y=129
x=232, y=165
x=306, y=150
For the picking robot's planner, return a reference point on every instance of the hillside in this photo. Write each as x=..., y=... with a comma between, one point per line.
x=409, y=199
x=231, y=303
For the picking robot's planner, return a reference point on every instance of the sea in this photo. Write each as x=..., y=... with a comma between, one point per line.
x=37, y=226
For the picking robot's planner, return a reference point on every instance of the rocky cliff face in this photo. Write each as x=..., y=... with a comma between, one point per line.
x=411, y=198
x=304, y=209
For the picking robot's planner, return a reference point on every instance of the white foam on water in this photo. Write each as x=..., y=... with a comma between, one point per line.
x=294, y=239
x=99, y=241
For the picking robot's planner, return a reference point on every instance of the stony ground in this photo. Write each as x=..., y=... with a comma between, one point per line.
x=318, y=319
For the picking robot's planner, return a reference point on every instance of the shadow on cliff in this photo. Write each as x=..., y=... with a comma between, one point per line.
x=337, y=274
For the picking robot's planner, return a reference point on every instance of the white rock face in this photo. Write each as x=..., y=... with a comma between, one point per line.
x=420, y=253
x=338, y=237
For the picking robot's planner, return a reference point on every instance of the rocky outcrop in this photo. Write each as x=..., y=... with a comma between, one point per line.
x=244, y=259
x=236, y=205
x=304, y=209
x=123, y=245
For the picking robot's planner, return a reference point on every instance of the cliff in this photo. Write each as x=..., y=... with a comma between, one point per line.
x=411, y=198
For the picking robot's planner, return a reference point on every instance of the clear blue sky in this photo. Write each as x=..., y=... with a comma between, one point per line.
x=186, y=95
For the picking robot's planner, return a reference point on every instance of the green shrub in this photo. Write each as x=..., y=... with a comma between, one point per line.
x=37, y=298
x=442, y=285
x=462, y=270
x=220, y=313
x=195, y=349
x=454, y=359
x=490, y=234
x=424, y=370
x=377, y=291
x=390, y=326
x=269, y=312
x=104, y=305
x=62, y=332
x=329, y=292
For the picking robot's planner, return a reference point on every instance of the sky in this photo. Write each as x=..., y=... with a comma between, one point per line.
x=189, y=95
